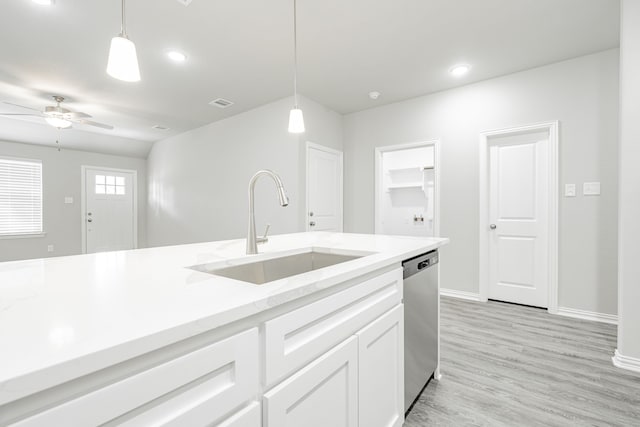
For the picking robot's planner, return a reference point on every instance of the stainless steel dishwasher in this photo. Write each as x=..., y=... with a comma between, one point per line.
x=420, y=323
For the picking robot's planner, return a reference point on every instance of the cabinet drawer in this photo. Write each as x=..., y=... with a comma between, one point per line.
x=294, y=339
x=195, y=389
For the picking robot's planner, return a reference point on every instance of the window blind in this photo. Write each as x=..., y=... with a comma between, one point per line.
x=20, y=196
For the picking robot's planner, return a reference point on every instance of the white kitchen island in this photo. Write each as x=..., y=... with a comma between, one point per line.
x=136, y=338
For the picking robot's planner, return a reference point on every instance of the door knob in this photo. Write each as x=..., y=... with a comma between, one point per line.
x=312, y=223
x=493, y=226
x=311, y=213
x=89, y=220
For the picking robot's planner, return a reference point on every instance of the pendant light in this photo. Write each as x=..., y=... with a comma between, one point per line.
x=296, y=121
x=123, y=60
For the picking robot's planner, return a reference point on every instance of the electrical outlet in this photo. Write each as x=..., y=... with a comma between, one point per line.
x=50, y=248
x=569, y=190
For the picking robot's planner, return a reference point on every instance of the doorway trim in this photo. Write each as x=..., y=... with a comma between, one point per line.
x=379, y=151
x=83, y=202
x=340, y=154
x=552, y=128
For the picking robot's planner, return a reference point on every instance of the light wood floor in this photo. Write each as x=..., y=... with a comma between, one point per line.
x=508, y=365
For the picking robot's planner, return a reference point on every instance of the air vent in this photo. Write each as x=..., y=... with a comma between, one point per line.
x=221, y=103
x=185, y=2
x=158, y=127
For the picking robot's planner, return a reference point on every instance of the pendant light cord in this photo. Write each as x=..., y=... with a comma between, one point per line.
x=123, y=28
x=295, y=56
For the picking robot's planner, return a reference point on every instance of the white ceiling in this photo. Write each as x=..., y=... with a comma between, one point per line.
x=241, y=50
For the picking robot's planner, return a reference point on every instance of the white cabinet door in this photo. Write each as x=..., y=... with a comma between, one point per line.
x=322, y=394
x=381, y=371
x=248, y=417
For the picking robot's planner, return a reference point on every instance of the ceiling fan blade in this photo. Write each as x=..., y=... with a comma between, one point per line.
x=21, y=106
x=20, y=114
x=96, y=124
x=76, y=115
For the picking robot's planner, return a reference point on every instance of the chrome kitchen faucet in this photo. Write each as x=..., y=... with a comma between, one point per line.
x=252, y=240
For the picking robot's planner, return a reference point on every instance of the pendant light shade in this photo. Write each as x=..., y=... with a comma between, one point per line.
x=123, y=58
x=296, y=121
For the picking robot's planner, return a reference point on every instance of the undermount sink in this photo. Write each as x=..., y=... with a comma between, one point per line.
x=268, y=270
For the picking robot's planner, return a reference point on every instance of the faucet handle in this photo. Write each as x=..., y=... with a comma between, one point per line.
x=264, y=238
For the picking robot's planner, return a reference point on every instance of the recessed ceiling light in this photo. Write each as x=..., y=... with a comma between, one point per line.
x=174, y=55
x=43, y=2
x=459, y=70
x=160, y=127
x=374, y=94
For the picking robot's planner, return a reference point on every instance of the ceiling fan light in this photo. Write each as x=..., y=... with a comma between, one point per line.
x=123, y=60
x=58, y=122
x=296, y=121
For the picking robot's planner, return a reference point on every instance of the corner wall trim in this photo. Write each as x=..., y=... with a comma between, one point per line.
x=625, y=362
x=460, y=294
x=587, y=315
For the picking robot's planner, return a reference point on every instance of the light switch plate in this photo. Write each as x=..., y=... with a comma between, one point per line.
x=68, y=200
x=591, y=189
x=50, y=248
x=569, y=190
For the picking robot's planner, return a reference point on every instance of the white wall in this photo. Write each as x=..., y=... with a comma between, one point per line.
x=582, y=93
x=629, y=208
x=61, y=176
x=198, y=180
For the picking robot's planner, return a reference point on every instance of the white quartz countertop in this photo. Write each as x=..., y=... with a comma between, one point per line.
x=61, y=318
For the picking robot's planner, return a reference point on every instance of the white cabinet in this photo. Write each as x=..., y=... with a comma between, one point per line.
x=324, y=393
x=380, y=371
x=359, y=382
x=294, y=339
x=336, y=361
x=250, y=416
x=195, y=389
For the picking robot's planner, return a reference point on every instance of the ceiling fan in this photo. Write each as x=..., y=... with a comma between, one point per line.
x=58, y=116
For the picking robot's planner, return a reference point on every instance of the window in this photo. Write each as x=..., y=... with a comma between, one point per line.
x=20, y=196
x=110, y=185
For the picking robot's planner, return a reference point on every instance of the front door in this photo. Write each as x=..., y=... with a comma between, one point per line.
x=518, y=218
x=324, y=189
x=109, y=214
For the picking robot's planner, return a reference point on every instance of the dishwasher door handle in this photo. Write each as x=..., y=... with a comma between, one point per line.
x=424, y=264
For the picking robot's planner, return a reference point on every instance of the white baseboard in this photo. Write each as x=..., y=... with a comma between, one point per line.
x=460, y=294
x=624, y=362
x=588, y=315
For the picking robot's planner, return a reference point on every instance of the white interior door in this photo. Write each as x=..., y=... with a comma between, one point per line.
x=109, y=217
x=324, y=189
x=518, y=218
